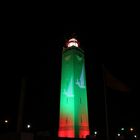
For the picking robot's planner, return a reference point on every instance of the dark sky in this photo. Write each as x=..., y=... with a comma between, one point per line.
x=32, y=47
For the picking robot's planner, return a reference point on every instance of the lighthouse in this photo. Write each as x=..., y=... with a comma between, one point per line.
x=73, y=118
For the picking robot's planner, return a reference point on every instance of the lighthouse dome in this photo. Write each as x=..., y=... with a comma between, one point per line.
x=72, y=42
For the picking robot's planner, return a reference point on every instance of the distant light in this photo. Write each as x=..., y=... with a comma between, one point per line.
x=28, y=126
x=122, y=129
x=95, y=132
x=119, y=134
x=131, y=129
x=6, y=121
x=135, y=136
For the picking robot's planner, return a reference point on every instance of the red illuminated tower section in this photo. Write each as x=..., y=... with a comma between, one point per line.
x=73, y=122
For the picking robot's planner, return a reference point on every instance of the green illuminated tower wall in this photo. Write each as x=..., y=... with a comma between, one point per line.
x=73, y=98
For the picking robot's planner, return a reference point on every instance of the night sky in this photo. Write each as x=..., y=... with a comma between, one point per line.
x=32, y=48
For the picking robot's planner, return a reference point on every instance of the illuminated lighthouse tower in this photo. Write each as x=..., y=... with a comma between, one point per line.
x=73, y=121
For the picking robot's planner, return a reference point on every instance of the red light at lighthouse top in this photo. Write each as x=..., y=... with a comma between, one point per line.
x=72, y=42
